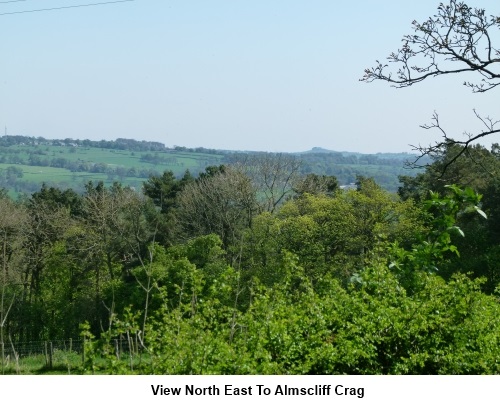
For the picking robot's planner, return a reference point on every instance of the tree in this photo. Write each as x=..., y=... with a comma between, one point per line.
x=223, y=203
x=315, y=184
x=115, y=233
x=47, y=224
x=12, y=220
x=457, y=40
x=212, y=171
x=273, y=175
x=164, y=191
x=329, y=234
x=478, y=169
x=56, y=198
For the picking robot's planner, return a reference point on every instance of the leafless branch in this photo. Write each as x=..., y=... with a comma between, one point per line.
x=455, y=40
x=458, y=39
x=437, y=149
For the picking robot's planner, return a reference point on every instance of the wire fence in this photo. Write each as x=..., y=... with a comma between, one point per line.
x=33, y=348
x=56, y=353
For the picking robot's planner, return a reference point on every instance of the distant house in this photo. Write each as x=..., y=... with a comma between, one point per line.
x=350, y=186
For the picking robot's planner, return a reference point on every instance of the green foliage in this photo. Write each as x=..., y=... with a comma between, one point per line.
x=435, y=245
x=89, y=348
x=315, y=184
x=330, y=235
x=474, y=169
x=371, y=327
x=329, y=282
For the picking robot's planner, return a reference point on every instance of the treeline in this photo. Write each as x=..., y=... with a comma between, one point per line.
x=346, y=167
x=119, y=143
x=383, y=168
x=357, y=159
x=173, y=160
x=254, y=268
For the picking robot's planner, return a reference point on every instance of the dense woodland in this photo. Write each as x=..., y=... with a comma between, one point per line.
x=255, y=268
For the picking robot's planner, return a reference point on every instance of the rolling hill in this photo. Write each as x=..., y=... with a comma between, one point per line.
x=27, y=162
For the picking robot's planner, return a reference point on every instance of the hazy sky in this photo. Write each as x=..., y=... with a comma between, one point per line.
x=273, y=75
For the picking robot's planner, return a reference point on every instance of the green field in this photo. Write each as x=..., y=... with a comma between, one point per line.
x=26, y=163
x=68, y=362
x=68, y=166
x=118, y=158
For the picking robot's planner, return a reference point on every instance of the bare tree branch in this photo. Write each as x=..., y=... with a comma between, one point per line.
x=437, y=149
x=455, y=40
x=458, y=39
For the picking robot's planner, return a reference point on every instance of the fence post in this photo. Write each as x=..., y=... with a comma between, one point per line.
x=46, y=354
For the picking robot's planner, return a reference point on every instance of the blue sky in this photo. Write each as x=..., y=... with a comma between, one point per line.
x=235, y=74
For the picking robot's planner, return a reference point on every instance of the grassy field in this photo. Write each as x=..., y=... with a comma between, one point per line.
x=182, y=161
x=65, y=362
x=65, y=178
x=66, y=357
x=66, y=166
x=35, y=165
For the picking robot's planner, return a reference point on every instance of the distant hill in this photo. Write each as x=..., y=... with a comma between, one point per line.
x=27, y=162
x=317, y=149
x=385, y=168
x=404, y=156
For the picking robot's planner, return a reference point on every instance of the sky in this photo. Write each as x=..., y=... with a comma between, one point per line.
x=261, y=75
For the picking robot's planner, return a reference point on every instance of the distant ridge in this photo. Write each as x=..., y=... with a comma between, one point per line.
x=27, y=162
x=382, y=155
x=142, y=145
x=318, y=149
